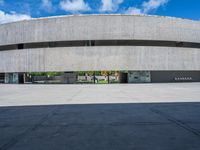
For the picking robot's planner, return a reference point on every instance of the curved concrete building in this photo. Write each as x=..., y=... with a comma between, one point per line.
x=151, y=48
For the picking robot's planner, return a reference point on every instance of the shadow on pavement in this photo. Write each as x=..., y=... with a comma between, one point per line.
x=152, y=126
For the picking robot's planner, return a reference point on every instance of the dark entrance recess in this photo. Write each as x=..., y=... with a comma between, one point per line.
x=21, y=78
x=2, y=77
x=123, y=78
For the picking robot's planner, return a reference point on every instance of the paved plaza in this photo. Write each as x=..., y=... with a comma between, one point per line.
x=100, y=117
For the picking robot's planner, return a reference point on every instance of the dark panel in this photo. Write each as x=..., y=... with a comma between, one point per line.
x=2, y=77
x=20, y=46
x=175, y=76
x=81, y=43
x=21, y=78
x=123, y=78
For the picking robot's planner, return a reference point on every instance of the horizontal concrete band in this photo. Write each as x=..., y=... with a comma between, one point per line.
x=98, y=27
x=99, y=43
x=100, y=58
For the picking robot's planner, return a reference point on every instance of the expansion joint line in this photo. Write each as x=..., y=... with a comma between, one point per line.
x=18, y=137
x=177, y=122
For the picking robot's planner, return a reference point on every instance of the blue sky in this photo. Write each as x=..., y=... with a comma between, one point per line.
x=14, y=10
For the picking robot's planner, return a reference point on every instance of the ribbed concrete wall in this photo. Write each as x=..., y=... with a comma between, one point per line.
x=100, y=58
x=100, y=27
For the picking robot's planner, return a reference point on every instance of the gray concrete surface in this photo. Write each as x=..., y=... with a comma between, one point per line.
x=100, y=58
x=20, y=95
x=90, y=27
x=100, y=27
x=100, y=117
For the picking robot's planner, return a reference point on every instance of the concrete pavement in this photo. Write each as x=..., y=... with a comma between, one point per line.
x=20, y=95
x=110, y=117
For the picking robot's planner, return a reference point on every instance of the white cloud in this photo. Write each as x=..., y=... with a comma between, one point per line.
x=74, y=6
x=110, y=5
x=133, y=10
x=12, y=17
x=147, y=7
x=47, y=4
x=153, y=4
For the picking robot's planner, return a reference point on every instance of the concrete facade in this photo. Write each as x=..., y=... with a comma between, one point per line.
x=100, y=27
x=99, y=58
x=90, y=27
